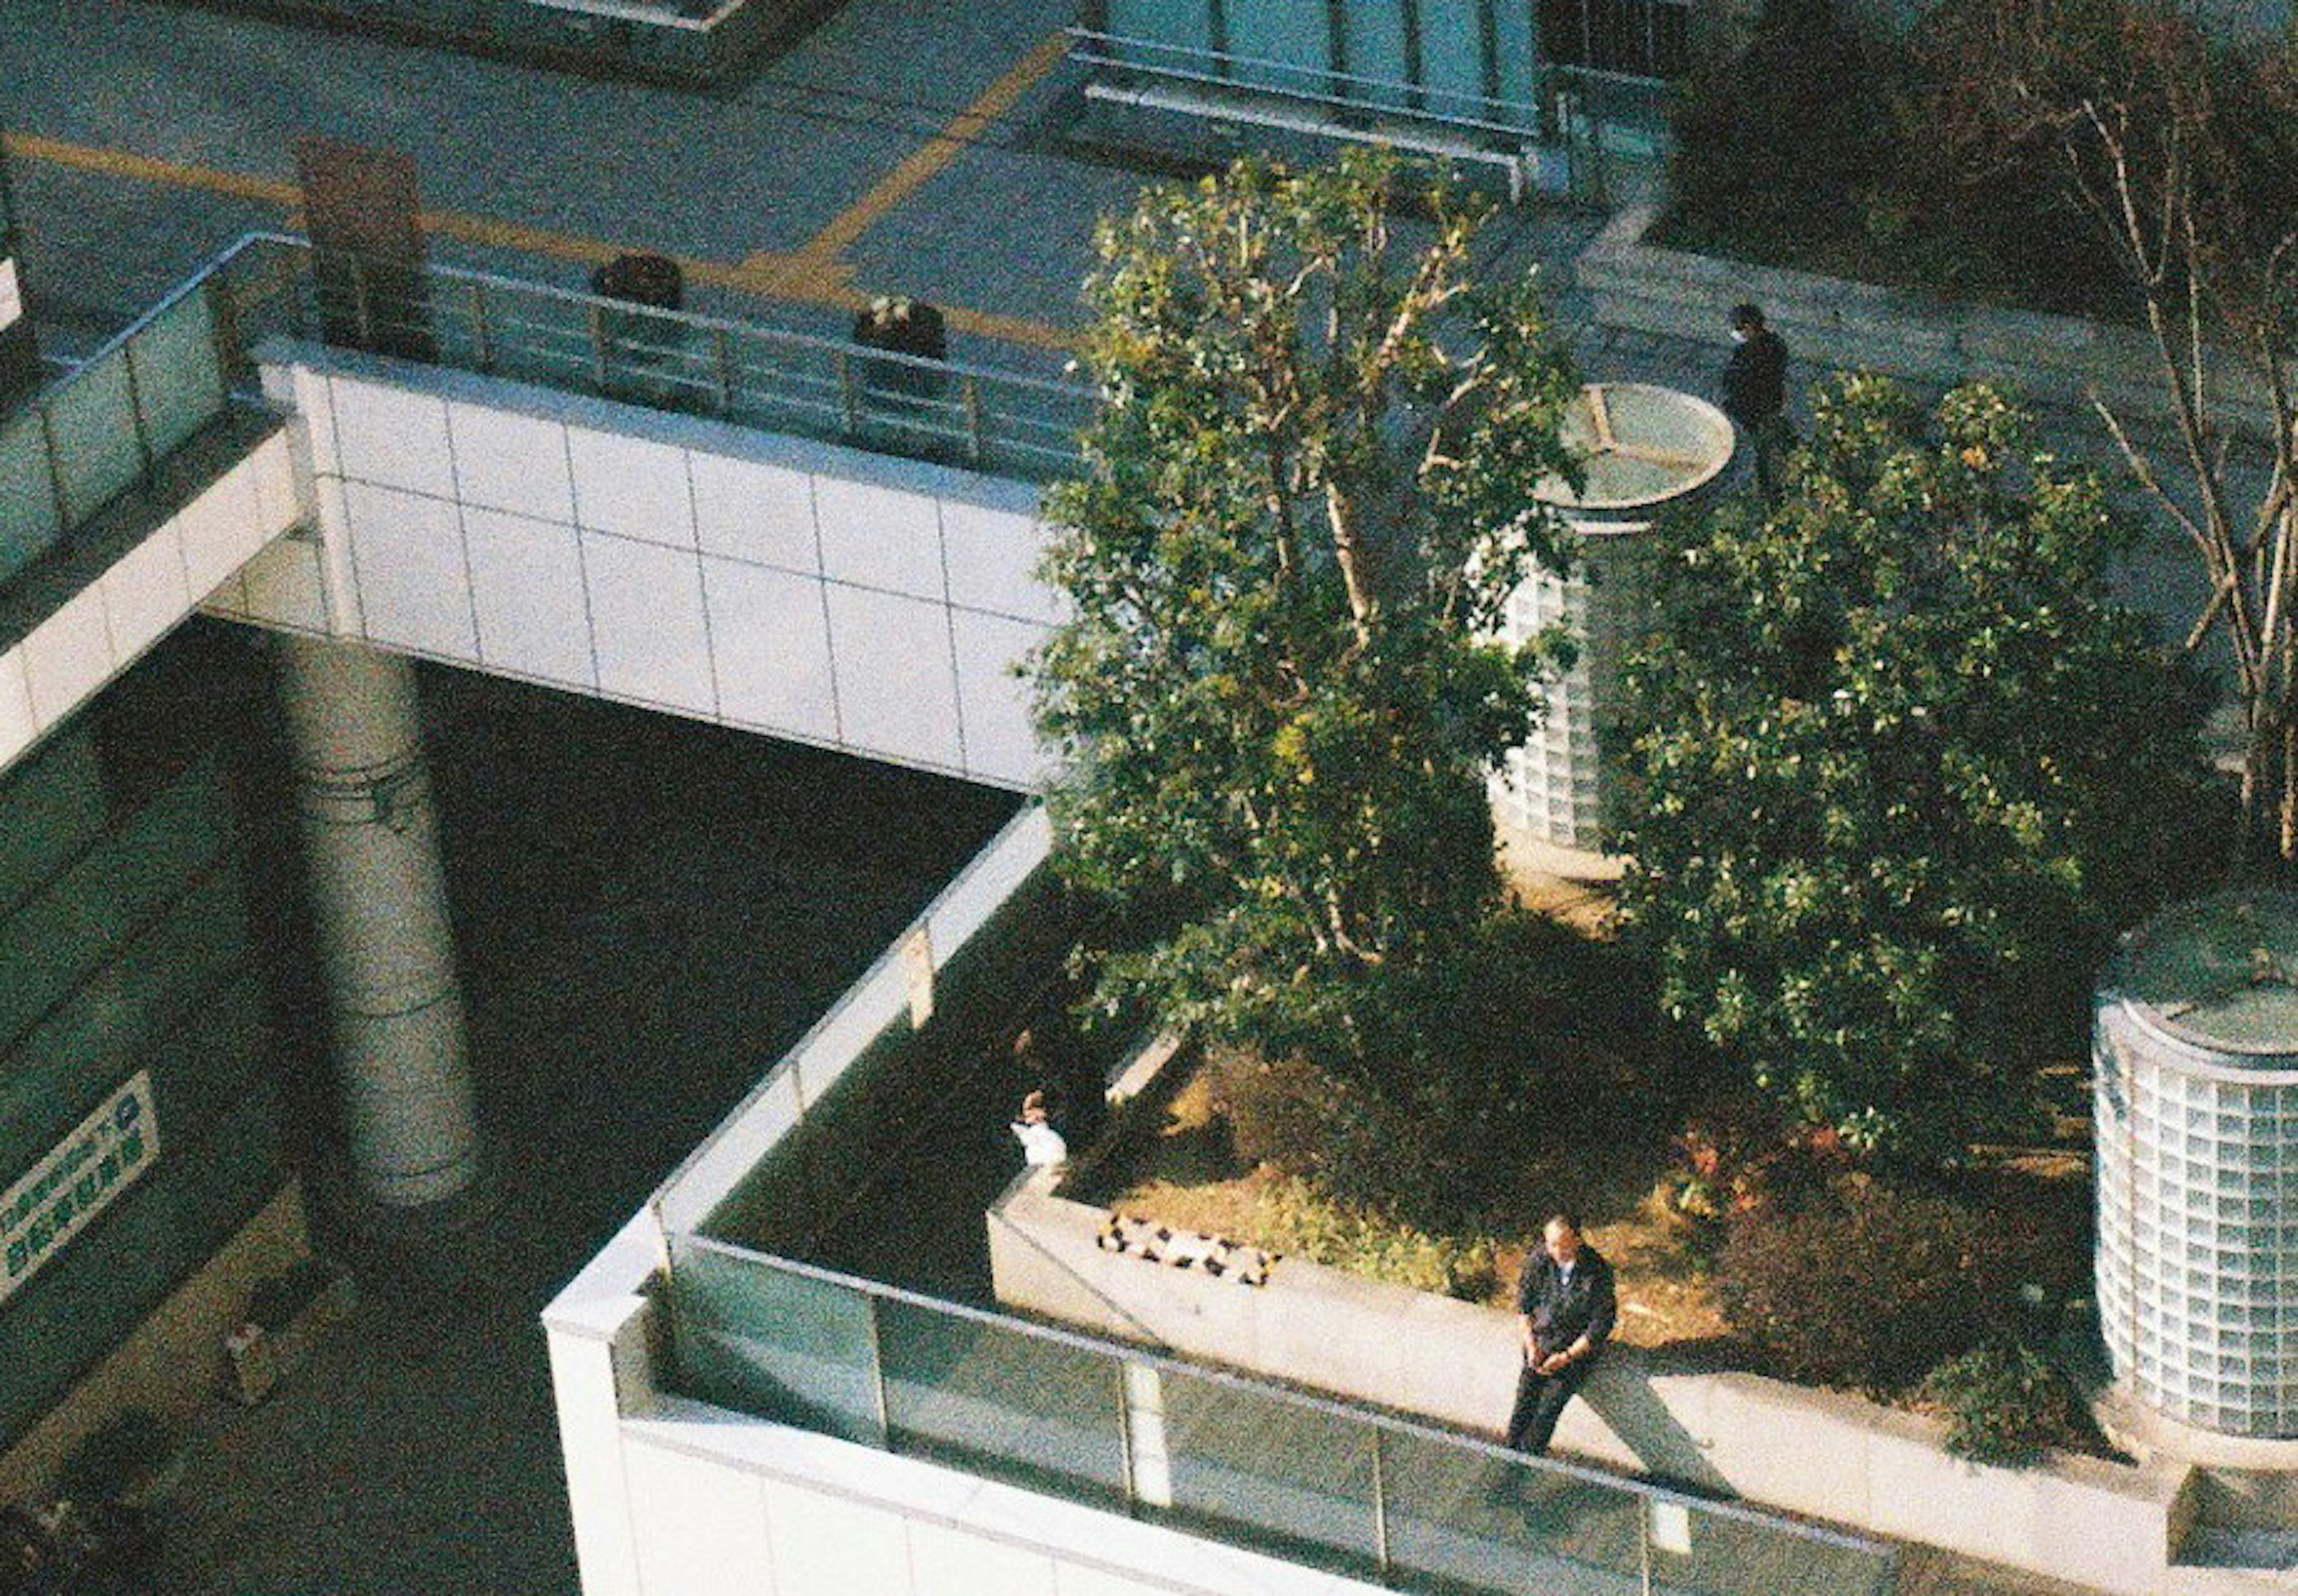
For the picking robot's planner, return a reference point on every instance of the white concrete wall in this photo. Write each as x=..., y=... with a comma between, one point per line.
x=674, y=1498
x=2080, y=1520
x=101, y=630
x=823, y=594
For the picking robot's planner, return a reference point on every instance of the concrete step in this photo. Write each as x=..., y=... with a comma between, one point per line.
x=2248, y=1498
x=2235, y=1562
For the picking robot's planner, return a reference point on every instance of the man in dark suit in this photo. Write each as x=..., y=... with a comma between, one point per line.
x=1756, y=395
x=1565, y=1304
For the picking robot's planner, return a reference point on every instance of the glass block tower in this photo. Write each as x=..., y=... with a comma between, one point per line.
x=2195, y=1065
x=1643, y=448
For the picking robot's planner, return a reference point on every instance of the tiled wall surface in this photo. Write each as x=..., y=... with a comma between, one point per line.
x=858, y=602
x=102, y=629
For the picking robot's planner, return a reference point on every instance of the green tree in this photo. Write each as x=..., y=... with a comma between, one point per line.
x=1908, y=768
x=2178, y=141
x=1309, y=496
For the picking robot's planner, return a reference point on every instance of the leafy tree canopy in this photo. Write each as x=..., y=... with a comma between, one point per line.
x=1309, y=493
x=1907, y=767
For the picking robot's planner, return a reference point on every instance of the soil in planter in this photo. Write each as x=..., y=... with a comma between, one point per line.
x=1189, y=1175
x=1622, y=1171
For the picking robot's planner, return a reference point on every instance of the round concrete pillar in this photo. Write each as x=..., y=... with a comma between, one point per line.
x=371, y=840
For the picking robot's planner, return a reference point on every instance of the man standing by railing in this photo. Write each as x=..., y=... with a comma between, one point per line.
x=1565, y=1304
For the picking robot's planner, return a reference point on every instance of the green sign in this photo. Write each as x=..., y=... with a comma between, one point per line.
x=78, y=1180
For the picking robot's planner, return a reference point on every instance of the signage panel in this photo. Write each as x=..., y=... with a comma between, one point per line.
x=77, y=1179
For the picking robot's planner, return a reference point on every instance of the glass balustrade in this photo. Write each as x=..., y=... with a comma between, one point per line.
x=1225, y=1457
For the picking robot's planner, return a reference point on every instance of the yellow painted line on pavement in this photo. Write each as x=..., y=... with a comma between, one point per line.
x=937, y=152
x=145, y=169
x=809, y=276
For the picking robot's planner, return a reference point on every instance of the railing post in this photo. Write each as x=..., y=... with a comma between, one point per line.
x=136, y=411
x=362, y=310
x=849, y=398
x=971, y=389
x=598, y=347
x=878, y=1376
x=1643, y=1542
x=1124, y=1434
x=723, y=347
x=223, y=325
x=302, y=273
x=56, y=469
x=1380, y=1501
x=483, y=346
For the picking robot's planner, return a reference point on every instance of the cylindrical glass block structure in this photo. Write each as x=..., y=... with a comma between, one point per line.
x=1643, y=447
x=2195, y=1065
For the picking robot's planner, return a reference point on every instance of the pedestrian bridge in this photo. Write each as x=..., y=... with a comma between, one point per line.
x=784, y=534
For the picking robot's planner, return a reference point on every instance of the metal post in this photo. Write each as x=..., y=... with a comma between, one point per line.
x=304, y=269
x=1643, y=1542
x=1380, y=1501
x=56, y=469
x=972, y=392
x=136, y=411
x=1125, y=1435
x=482, y=341
x=223, y=324
x=723, y=347
x=365, y=311
x=878, y=1376
x=851, y=399
x=598, y=347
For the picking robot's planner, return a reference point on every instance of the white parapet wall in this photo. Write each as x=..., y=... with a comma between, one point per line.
x=2105, y=1525
x=674, y=1498
x=828, y=595
x=2059, y=361
x=95, y=635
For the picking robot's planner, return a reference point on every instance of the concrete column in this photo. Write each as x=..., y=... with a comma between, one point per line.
x=371, y=842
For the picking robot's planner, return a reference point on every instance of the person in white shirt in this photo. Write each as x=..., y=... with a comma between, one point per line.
x=1042, y=1145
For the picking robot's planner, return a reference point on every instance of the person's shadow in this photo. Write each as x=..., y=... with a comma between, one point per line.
x=1619, y=1391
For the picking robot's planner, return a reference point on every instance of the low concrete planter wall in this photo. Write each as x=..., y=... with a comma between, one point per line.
x=1828, y=322
x=2096, y=1523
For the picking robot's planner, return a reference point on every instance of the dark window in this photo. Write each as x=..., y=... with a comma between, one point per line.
x=1645, y=38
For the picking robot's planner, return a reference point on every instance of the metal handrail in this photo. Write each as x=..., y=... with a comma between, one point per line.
x=123, y=357
x=1884, y=1557
x=1225, y=68
x=835, y=389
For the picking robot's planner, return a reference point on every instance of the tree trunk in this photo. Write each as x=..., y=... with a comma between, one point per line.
x=2287, y=811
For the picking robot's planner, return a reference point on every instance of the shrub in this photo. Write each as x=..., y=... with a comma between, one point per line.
x=1862, y=1285
x=1836, y=148
x=1298, y=1218
x=2003, y=1403
x=1279, y=1109
x=1414, y=1160
x=1782, y=146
